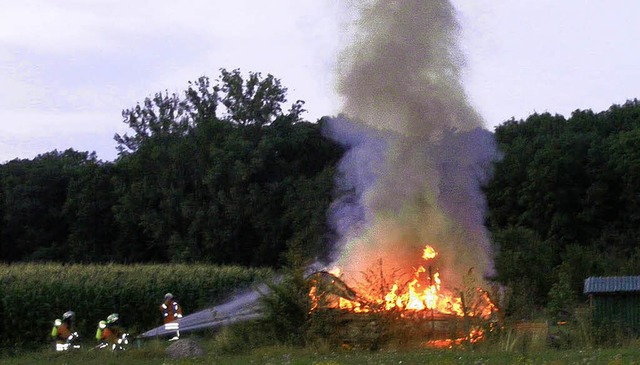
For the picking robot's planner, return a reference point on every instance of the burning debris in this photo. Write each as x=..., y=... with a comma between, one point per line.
x=421, y=300
x=421, y=294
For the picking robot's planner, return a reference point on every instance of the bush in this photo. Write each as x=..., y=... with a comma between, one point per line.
x=241, y=338
x=286, y=309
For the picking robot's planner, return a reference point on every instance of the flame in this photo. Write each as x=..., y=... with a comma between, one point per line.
x=423, y=294
x=429, y=253
x=313, y=297
x=474, y=336
x=423, y=297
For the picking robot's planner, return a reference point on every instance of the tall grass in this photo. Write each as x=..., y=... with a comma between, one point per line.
x=33, y=295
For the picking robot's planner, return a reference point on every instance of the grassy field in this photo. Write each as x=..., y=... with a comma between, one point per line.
x=153, y=352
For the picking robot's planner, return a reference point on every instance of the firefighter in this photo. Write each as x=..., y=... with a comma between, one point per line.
x=63, y=331
x=100, y=335
x=110, y=334
x=171, y=314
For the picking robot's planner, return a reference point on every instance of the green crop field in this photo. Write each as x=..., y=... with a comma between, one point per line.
x=32, y=296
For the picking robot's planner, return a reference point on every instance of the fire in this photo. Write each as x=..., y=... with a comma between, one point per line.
x=423, y=296
x=473, y=337
x=429, y=253
x=423, y=293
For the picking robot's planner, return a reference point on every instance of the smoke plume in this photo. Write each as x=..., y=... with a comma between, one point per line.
x=416, y=153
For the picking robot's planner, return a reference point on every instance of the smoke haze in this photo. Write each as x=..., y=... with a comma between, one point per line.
x=416, y=154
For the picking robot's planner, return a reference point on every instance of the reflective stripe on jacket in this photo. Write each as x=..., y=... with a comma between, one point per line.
x=170, y=311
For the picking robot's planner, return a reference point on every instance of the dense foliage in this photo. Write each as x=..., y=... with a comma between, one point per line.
x=563, y=202
x=221, y=175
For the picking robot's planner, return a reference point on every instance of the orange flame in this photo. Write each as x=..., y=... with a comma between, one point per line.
x=423, y=293
x=474, y=337
x=424, y=297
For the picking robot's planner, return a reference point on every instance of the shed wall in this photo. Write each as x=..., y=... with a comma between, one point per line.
x=621, y=310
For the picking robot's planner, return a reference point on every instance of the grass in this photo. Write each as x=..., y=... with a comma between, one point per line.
x=153, y=352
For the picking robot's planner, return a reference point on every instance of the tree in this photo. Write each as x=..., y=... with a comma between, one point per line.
x=88, y=213
x=214, y=176
x=525, y=264
x=34, y=194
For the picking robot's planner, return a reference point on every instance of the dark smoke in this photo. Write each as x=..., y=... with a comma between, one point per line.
x=417, y=154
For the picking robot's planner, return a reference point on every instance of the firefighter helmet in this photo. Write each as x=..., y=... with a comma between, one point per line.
x=113, y=317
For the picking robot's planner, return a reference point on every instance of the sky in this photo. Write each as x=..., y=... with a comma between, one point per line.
x=69, y=67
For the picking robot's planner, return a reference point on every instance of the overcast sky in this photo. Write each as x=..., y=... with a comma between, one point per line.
x=69, y=67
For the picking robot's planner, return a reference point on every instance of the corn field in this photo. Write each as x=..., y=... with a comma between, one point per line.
x=32, y=296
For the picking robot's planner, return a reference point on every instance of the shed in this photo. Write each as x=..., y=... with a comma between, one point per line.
x=615, y=301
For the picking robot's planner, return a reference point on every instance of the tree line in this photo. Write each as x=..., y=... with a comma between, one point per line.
x=564, y=203
x=221, y=174
x=225, y=174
